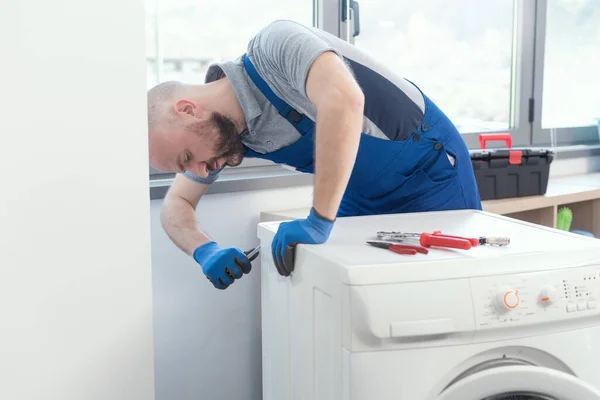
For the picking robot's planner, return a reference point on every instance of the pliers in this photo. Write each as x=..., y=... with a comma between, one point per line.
x=400, y=248
x=251, y=255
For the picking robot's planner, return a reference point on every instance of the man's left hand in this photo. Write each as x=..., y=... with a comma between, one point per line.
x=314, y=229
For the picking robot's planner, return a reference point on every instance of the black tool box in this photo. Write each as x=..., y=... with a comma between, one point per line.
x=510, y=172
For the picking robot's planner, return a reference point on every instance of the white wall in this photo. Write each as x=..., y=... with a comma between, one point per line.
x=207, y=340
x=75, y=260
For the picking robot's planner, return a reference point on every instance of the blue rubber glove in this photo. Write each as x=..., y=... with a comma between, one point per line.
x=313, y=230
x=222, y=266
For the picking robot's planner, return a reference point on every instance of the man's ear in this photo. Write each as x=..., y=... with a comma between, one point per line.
x=186, y=107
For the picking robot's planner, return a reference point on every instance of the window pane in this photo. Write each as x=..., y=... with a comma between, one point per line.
x=151, y=67
x=571, y=92
x=195, y=33
x=459, y=55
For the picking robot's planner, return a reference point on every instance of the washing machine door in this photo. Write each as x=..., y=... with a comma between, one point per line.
x=520, y=383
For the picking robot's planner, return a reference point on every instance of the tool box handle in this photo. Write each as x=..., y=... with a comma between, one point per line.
x=485, y=137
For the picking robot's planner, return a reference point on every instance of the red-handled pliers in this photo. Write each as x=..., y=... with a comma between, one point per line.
x=400, y=248
x=432, y=239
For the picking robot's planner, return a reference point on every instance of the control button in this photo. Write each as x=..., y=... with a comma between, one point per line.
x=416, y=137
x=548, y=295
x=571, y=307
x=581, y=306
x=438, y=146
x=591, y=305
x=507, y=299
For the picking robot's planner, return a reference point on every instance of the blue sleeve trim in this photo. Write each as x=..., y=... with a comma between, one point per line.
x=211, y=178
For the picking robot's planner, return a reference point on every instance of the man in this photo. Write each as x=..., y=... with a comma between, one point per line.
x=308, y=99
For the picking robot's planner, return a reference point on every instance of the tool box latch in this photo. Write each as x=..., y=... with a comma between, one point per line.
x=515, y=157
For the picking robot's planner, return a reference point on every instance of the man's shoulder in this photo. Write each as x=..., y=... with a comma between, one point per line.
x=284, y=31
x=283, y=26
x=218, y=69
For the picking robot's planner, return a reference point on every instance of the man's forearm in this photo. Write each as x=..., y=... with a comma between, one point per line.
x=338, y=130
x=179, y=222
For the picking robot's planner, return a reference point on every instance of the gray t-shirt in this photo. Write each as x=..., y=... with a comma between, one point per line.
x=282, y=54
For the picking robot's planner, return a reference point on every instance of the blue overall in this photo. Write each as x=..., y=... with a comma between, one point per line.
x=388, y=176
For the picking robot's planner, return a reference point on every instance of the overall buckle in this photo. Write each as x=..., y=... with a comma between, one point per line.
x=294, y=116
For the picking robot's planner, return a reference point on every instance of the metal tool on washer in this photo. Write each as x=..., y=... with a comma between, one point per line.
x=442, y=240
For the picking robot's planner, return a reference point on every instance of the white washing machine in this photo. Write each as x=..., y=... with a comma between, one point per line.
x=355, y=322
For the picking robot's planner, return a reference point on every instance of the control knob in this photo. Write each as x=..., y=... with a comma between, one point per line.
x=506, y=300
x=548, y=295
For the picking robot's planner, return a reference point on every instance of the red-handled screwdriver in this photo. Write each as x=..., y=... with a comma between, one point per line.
x=473, y=241
x=432, y=239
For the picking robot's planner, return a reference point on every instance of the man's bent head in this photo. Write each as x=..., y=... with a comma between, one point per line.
x=184, y=134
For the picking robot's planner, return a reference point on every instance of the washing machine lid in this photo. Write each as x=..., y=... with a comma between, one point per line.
x=520, y=382
x=532, y=247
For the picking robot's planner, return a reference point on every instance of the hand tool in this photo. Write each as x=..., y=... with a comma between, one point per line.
x=432, y=239
x=400, y=248
x=459, y=242
x=495, y=240
x=253, y=253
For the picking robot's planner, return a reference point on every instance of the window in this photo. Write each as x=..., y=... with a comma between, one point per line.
x=151, y=48
x=186, y=36
x=566, y=73
x=460, y=56
x=571, y=64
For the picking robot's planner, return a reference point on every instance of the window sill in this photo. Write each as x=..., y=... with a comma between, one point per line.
x=576, y=151
x=277, y=177
x=240, y=180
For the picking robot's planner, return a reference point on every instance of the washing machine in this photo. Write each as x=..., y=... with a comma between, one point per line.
x=357, y=322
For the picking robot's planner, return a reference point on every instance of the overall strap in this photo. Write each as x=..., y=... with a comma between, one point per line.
x=302, y=123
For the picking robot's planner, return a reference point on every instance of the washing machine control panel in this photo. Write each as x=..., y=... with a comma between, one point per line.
x=535, y=297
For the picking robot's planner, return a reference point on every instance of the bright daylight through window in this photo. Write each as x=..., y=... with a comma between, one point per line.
x=571, y=94
x=459, y=55
x=189, y=35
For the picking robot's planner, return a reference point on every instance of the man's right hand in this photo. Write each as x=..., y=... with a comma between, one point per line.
x=222, y=266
